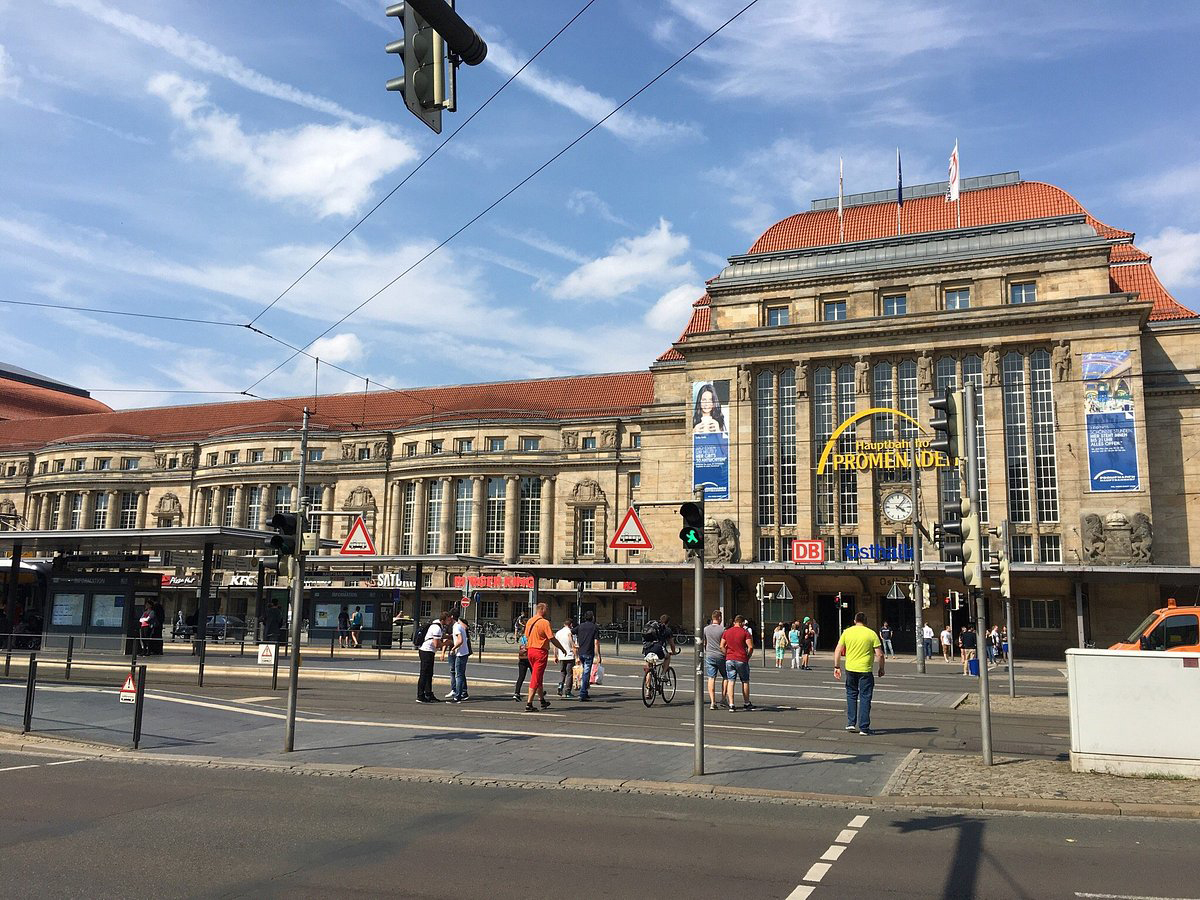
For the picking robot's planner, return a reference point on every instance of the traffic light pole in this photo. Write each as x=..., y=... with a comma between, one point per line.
x=979, y=596
x=297, y=589
x=698, y=693
x=917, y=594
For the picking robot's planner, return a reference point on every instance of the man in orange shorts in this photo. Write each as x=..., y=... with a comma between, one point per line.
x=538, y=638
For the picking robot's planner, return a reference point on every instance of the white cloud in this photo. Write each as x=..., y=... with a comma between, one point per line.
x=671, y=311
x=10, y=82
x=650, y=259
x=343, y=349
x=330, y=168
x=207, y=58
x=1176, y=256
x=371, y=11
x=582, y=202
x=587, y=104
x=1180, y=183
x=546, y=245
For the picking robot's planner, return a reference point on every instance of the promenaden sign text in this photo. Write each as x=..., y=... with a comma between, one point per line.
x=868, y=455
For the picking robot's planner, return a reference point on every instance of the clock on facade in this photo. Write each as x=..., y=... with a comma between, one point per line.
x=898, y=506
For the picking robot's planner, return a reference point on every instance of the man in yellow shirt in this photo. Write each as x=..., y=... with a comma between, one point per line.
x=859, y=644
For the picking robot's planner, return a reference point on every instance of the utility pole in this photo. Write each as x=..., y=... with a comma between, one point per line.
x=692, y=536
x=917, y=595
x=978, y=593
x=297, y=588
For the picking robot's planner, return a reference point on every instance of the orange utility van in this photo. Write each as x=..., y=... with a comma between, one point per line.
x=1172, y=628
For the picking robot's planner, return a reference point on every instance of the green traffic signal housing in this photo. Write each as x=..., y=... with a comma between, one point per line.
x=999, y=564
x=691, y=535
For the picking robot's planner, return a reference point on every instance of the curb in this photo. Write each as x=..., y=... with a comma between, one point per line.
x=56, y=747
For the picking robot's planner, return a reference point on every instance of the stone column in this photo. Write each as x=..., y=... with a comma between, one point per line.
x=89, y=508
x=546, y=539
x=418, y=528
x=114, y=509
x=239, y=506
x=64, y=511
x=478, y=513
x=327, y=503
x=44, y=513
x=394, y=515
x=512, y=502
x=446, y=525
x=143, y=503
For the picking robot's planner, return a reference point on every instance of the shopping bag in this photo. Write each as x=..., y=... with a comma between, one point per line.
x=597, y=674
x=576, y=676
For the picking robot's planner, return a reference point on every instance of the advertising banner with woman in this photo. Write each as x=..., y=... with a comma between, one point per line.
x=710, y=438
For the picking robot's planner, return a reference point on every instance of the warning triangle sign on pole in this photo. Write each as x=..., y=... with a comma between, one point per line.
x=631, y=535
x=128, y=690
x=358, y=542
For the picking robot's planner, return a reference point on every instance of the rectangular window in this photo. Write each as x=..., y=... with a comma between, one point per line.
x=495, y=445
x=129, y=463
x=489, y=609
x=173, y=462
x=588, y=443
x=1016, y=450
x=635, y=440
x=60, y=465
x=283, y=498
x=822, y=404
x=777, y=315
x=1050, y=548
x=100, y=511
x=1039, y=615
x=425, y=608
x=230, y=509
x=284, y=454
x=530, y=537
x=254, y=499
x=76, y=511
x=129, y=506
x=635, y=480
x=55, y=510
x=433, y=514
x=787, y=448
x=1022, y=292
x=847, y=481
x=103, y=463
x=43, y=467
x=435, y=447
x=494, y=536
x=895, y=304
x=1045, y=468
x=848, y=541
x=256, y=456
x=958, y=298
x=464, y=445
x=406, y=520
x=1022, y=548
x=764, y=431
x=314, y=492
x=212, y=459
x=766, y=549
x=316, y=454
x=973, y=375
x=77, y=465
x=232, y=457
x=364, y=453
x=410, y=449
x=833, y=310
x=530, y=444
x=462, y=515
x=587, y=532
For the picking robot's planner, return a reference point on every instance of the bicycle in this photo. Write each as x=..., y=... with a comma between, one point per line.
x=659, y=681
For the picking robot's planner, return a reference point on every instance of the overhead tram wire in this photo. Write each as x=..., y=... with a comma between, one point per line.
x=421, y=164
x=66, y=307
x=520, y=184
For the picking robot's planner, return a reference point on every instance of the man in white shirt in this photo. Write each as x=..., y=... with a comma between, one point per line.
x=947, y=640
x=927, y=638
x=435, y=640
x=566, y=656
x=459, y=650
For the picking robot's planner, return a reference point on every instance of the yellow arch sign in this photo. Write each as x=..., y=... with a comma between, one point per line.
x=850, y=421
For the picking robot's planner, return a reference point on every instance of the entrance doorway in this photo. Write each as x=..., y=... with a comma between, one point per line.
x=902, y=618
x=831, y=620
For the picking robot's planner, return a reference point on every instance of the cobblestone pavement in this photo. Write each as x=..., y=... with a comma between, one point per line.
x=1020, y=706
x=956, y=774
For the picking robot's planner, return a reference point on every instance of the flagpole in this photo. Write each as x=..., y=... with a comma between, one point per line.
x=958, y=199
x=841, y=226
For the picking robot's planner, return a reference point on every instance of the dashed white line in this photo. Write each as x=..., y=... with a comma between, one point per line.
x=858, y=821
x=834, y=851
x=15, y=768
x=846, y=836
x=802, y=892
x=817, y=871
x=66, y=762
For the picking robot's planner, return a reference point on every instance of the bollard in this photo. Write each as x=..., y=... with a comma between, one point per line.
x=70, y=653
x=275, y=670
x=331, y=640
x=617, y=639
x=242, y=652
x=200, y=668
x=7, y=660
x=378, y=646
x=138, y=702
x=482, y=641
x=30, y=683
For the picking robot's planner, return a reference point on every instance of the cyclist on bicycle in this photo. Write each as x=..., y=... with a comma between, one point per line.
x=658, y=643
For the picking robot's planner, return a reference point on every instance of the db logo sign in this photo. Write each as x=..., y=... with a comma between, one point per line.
x=808, y=552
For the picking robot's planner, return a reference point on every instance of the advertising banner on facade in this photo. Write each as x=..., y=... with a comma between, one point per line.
x=1110, y=421
x=710, y=438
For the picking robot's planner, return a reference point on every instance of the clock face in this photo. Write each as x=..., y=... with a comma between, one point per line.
x=898, y=506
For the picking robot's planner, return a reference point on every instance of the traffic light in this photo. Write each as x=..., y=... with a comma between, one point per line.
x=925, y=598
x=692, y=532
x=844, y=604
x=283, y=542
x=423, y=52
x=947, y=424
x=998, y=565
x=964, y=545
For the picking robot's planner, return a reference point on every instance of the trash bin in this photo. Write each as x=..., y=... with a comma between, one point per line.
x=973, y=666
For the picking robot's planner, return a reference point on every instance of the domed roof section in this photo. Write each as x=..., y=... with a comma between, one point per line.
x=28, y=395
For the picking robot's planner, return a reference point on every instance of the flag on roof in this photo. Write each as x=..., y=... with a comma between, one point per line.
x=899, y=180
x=952, y=191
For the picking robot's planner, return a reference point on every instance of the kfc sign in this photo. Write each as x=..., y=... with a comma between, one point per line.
x=808, y=552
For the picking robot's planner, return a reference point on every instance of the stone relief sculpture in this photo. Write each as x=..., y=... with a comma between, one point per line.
x=925, y=372
x=382, y=450
x=991, y=367
x=189, y=460
x=169, y=505
x=588, y=490
x=360, y=498
x=608, y=439
x=802, y=378
x=728, y=541
x=1061, y=361
x=347, y=451
x=1142, y=539
x=1093, y=538
x=570, y=440
x=1117, y=539
x=743, y=380
x=862, y=376
x=160, y=460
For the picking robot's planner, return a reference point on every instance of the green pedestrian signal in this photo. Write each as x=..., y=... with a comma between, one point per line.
x=691, y=535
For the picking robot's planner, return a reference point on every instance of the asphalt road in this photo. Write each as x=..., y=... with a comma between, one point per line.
x=114, y=829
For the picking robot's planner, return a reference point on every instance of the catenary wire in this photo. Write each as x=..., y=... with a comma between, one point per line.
x=520, y=184
x=421, y=164
x=66, y=307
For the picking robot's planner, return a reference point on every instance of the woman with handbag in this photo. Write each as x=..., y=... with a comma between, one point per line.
x=523, y=668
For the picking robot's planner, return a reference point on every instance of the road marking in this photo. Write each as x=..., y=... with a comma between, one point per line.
x=802, y=892
x=16, y=768
x=846, y=836
x=1125, y=897
x=748, y=728
x=859, y=821
x=817, y=871
x=66, y=762
x=256, y=699
x=834, y=851
x=541, y=713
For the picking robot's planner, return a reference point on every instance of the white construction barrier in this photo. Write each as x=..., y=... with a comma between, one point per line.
x=1134, y=713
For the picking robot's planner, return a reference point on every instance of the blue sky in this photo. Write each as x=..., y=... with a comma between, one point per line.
x=193, y=159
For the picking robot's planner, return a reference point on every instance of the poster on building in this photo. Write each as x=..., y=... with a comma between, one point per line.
x=710, y=438
x=1110, y=421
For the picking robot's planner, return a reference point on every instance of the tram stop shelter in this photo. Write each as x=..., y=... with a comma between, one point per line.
x=94, y=583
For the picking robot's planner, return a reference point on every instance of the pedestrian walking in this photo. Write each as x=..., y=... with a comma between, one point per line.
x=780, y=642
x=343, y=626
x=859, y=645
x=885, y=635
x=538, y=638
x=566, y=657
x=587, y=646
x=432, y=641
x=927, y=637
x=737, y=643
x=356, y=624
x=947, y=638
x=714, y=656
x=808, y=644
x=272, y=623
x=1003, y=644
x=146, y=629
x=795, y=635
x=459, y=651
x=993, y=645
x=522, y=657
x=6, y=628
x=968, y=643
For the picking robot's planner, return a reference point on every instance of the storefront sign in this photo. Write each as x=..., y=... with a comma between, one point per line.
x=710, y=438
x=181, y=581
x=495, y=582
x=878, y=553
x=390, y=580
x=243, y=581
x=870, y=455
x=1110, y=421
x=808, y=552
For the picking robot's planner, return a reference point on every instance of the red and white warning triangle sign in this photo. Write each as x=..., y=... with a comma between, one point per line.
x=358, y=542
x=128, y=690
x=631, y=535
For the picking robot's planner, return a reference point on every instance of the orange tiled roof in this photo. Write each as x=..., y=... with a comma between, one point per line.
x=700, y=321
x=20, y=400
x=1140, y=279
x=574, y=397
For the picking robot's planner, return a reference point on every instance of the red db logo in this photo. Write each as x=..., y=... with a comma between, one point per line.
x=808, y=552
